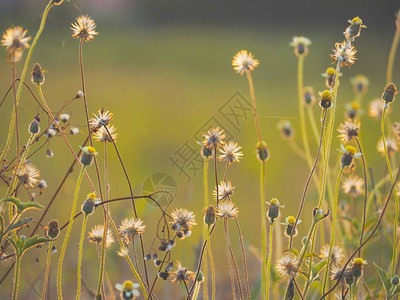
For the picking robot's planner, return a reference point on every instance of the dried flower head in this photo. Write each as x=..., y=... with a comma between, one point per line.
x=376, y=108
x=181, y=274
x=102, y=119
x=330, y=77
x=389, y=93
x=287, y=265
x=336, y=273
x=309, y=96
x=348, y=130
x=28, y=174
x=354, y=30
x=225, y=190
x=182, y=222
x=96, y=236
x=213, y=138
x=286, y=129
x=14, y=40
x=227, y=209
x=37, y=75
x=337, y=253
x=360, y=84
x=300, y=44
x=230, y=152
x=353, y=186
x=391, y=146
x=128, y=289
x=244, y=61
x=129, y=228
x=14, y=57
x=105, y=135
x=52, y=230
x=344, y=54
x=84, y=28
x=210, y=215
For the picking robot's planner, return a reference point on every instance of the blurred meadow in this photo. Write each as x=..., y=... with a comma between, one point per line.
x=164, y=78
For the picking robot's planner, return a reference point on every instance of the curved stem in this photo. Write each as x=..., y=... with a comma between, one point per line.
x=394, y=255
x=79, y=271
x=392, y=55
x=271, y=233
x=47, y=272
x=64, y=246
x=22, y=78
x=334, y=208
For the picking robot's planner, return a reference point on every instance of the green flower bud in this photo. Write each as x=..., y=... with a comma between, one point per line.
x=87, y=155
x=389, y=93
x=52, y=229
x=37, y=75
x=34, y=127
x=262, y=151
x=210, y=215
x=395, y=280
x=89, y=205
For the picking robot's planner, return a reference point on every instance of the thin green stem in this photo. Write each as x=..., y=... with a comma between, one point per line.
x=392, y=55
x=334, y=214
x=254, y=104
x=47, y=272
x=263, y=231
x=271, y=233
x=210, y=256
x=313, y=124
x=16, y=276
x=396, y=217
x=22, y=78
x=246, y=276
x=205, y=227
x=71, y=221
x=79, y=271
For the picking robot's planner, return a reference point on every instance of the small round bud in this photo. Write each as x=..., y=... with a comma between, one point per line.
x=389, y=93
x=210, y=215
x=79, y=94
x=262, y=151
x=88, y=206
x=155, y=256
x=348, y=156
x=300, y=44
x=273, y=212
x=37, y=75
x=395, y=280
x=52, y=229
x=87, y=155
x=286, y=129
x=169, y=267
x=157, y=262
x=34, y=127
x=163, y=275
x=308, y=96
x=354, y=29
x=49, y=153
x=200, y=278
x=147, y=257
x=65, y=117
x=357, y=267
x=206, y=153
x=326, y=99
x=304, y=240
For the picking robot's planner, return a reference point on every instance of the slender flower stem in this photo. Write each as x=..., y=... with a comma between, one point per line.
x=271, y=233
x=365, y=193
x=22, y=78
x=254, y=104
x=392, y=54
x=47, y=272
x=64, y=246
x=210, y=256
x=396, y=216
x=263, y=230
x=16, y=276
x=216, y=173
x=104, y=239
x=16, y=112
x=79, y=271
x=205, y=227
x=313, y=124
x=246, y=276
x=334, y=214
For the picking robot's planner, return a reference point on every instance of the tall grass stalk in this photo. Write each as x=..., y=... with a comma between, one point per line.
x=332, y=239
x=396, y=215
x=22, y=78
x=68, y=233
x=79, y=271
x=212, y=267
x=392, y=55
x=263, y=230
x=246, y=276
x=271, y=233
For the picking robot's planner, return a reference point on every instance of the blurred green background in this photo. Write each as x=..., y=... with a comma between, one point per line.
x=164, y=69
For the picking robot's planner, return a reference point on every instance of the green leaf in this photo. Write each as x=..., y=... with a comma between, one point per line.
x=19, y=224
x=22, y=206
x=395, y=291
x=34, y=241
x=384, y=278
x=14, y=244
x=311, y=254
x=316, y=268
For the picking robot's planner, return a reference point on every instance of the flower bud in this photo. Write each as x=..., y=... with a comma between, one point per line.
x=262, y=151
x=87, y=155
x=210, y=215
x=273, y=212
x=395, y=280
x=389, y=93
x=357, y=267
x=206, y=153
x=52, y=229
x=34, y=127
x=37, y=75
x=326, y=99
x=308, y=96
x=88, y=206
